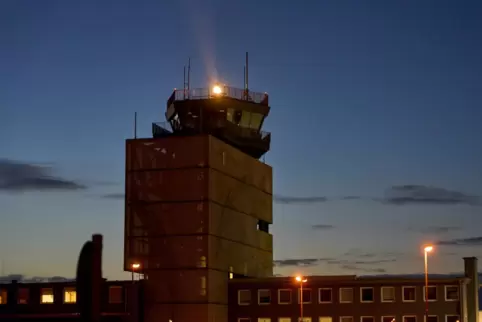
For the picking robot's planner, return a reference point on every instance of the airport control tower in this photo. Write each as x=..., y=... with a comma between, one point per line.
x=199, y=202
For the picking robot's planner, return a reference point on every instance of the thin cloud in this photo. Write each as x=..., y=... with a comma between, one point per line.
x=470, y=241
x=355, y=268
x=18, y=177
x=299, y=262
x=419, y=194
x=361, y=262
x=436, y=230
x=298, y=200
x=114, y=196
x=322, y=227
x=395, y=195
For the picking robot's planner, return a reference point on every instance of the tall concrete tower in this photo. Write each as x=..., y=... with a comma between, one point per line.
x=199, y=203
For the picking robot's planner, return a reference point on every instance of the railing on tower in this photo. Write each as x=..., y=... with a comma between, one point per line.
x=227, y=91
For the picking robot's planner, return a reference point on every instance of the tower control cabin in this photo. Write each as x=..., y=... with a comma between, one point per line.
x=199, y=203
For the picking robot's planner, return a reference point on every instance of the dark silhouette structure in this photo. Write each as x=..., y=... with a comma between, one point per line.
x=89, y=280
x=199, y=203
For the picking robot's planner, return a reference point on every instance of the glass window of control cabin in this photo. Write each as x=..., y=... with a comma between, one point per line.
x=305, y=319
x=47, y=296
x=115, y=294
x=388, y=318
x=23, y=295
x=325, y=319
x=346, y=318
x=255, y=121
x=284, y=319
x=432, y=318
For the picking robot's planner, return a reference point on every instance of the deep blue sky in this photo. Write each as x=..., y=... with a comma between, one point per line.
x=366, y=96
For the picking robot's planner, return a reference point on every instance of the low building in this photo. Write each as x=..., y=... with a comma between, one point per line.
x=346, y=299
x=276, y=299
x=357, y=299
x=57, y=301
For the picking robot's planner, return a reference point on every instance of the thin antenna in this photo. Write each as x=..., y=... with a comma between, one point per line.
x=247, y=84
x=189, y=77
x=184, y=82
x=135, y=125
x=244, y=78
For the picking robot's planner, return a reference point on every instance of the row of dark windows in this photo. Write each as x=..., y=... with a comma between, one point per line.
x=47, y=296
x=347, y=295
x=406, y=318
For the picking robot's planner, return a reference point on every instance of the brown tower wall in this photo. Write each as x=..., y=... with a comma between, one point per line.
x=192, y=210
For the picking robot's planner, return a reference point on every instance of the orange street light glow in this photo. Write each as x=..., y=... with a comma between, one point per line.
x=300, y=279
x=428, y=249
x=136, y=265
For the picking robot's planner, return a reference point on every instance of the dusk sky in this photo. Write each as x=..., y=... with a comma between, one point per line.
x=376, y=123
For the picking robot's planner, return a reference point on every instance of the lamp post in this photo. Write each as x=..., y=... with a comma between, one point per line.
x=134, y=266
x=426, y=250
x=301, y=280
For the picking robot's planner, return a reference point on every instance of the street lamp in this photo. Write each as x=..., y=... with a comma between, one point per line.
x=135, y=266
x=301, y=280
x=427, y=249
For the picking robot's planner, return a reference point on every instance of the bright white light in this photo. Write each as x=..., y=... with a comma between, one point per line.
x=428, y=249
x=217, y=90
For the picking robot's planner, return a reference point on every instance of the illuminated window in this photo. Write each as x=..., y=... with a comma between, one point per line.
x=70, y=295
x=3, y=296
x=23, y=294
x=115, y=294
x=46, y=296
